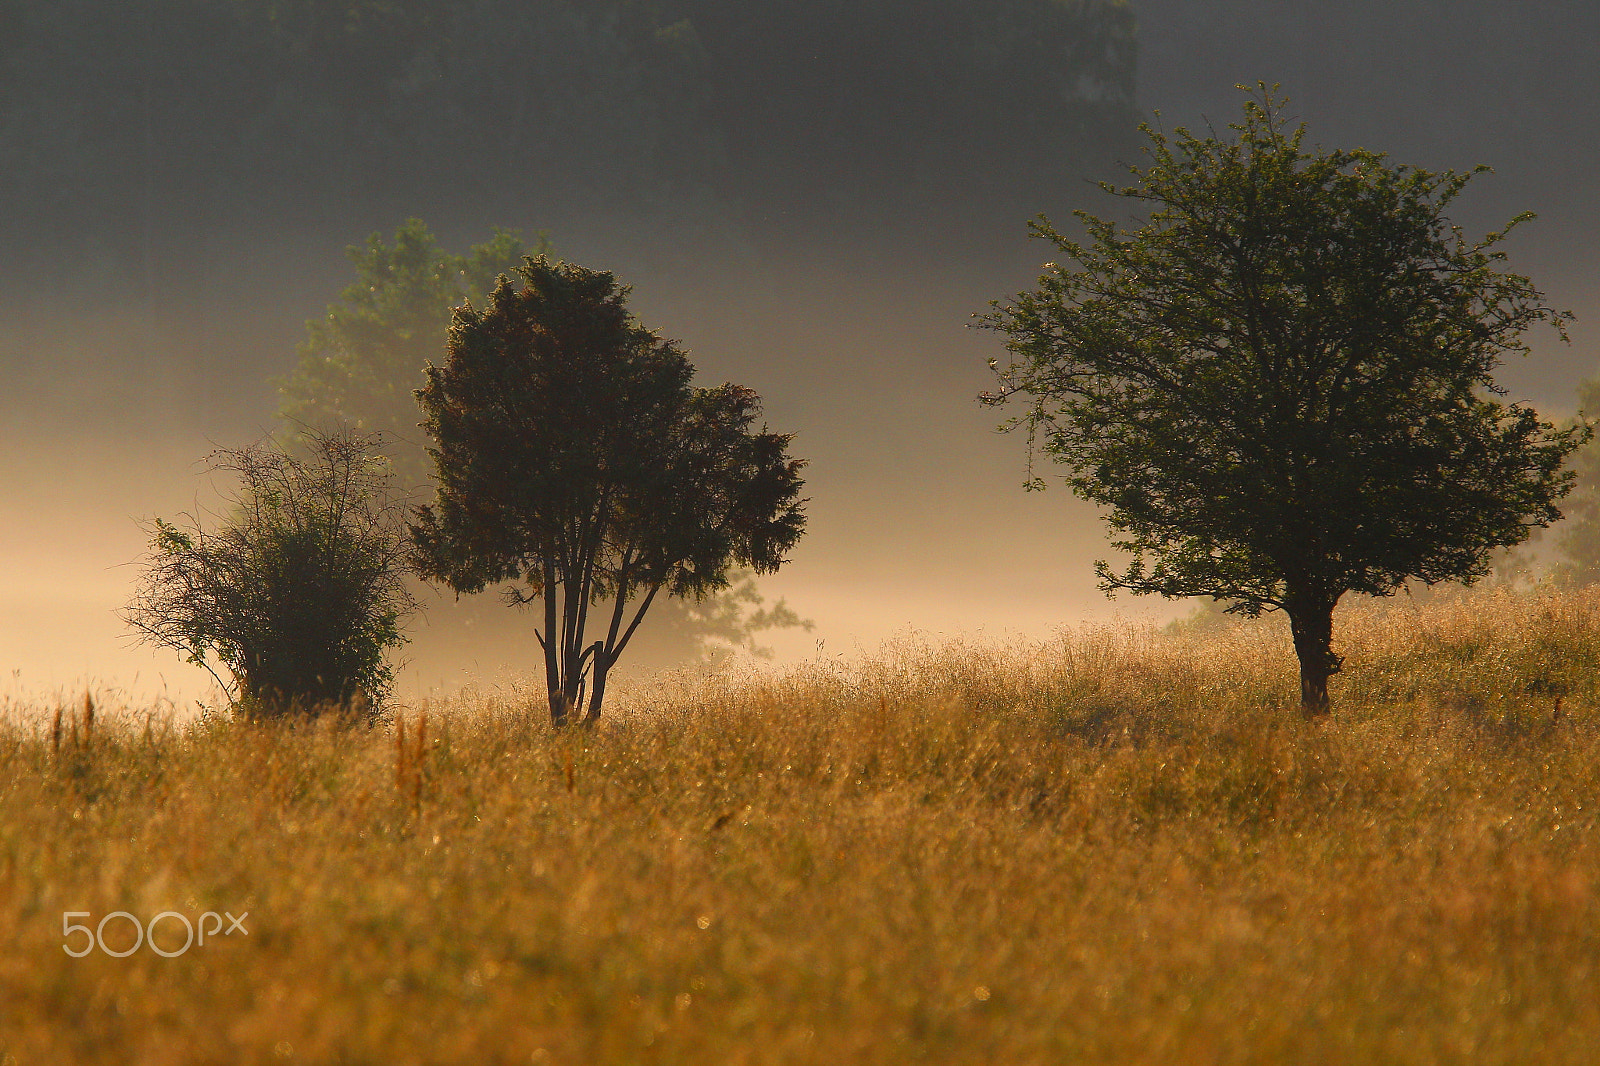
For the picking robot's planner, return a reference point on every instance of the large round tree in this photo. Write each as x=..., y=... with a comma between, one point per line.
x=575, y=460
x=1280, y=386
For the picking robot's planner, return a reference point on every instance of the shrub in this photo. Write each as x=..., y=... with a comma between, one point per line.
x=300, y=593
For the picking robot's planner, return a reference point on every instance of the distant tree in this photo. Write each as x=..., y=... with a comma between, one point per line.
x=1281, y=386
x=299, y=593
x=536, y=90
x=362, y=363
x=702, y=117
x=354, y=48
x=1578, y=538
x=572, y=455
x=712, y=629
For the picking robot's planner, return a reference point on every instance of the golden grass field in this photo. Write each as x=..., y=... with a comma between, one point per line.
x=1121, y=846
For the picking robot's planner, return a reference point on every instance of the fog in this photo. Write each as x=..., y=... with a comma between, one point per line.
x=158, y=277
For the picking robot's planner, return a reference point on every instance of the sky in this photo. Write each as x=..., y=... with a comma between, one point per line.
x=861, y=345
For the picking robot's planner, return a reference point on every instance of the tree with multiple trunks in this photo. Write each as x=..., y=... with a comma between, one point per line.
x=575, y=461
x=1280, y=386
x=362, y=362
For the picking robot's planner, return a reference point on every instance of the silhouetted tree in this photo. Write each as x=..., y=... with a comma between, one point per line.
x=1281, y=385
x=299, y=593
x=362, y=363
x=573, y=456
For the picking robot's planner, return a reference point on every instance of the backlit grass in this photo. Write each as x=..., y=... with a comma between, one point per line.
x=1117, y=847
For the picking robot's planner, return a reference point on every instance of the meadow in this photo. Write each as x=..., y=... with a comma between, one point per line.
x=1118, y=846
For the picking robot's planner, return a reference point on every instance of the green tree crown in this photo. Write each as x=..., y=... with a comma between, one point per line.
x=362, y=362
x=574, y=457
x=1280, y=386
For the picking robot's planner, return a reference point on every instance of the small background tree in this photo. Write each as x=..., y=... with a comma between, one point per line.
x=299, y=593
x=573, y=456
x=1281, y=386
x=718, y=626
x=1577, y=539
x=361, y=363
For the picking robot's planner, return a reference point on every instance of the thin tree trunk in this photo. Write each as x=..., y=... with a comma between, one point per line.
x=607, y=651
x=552, y=659
x=602, y=667
x=1311, y=623
x=571, y=678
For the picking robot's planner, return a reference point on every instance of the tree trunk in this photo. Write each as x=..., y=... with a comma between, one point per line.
x=602, y=667
x=1311, y=623
x=552, y=662
x=558, y=706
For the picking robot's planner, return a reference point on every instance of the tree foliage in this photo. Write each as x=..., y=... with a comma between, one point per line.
x=1280, y=387
x=574, y=457
x=131, y=134
x=362, y=363
x=298, y=594
x=1578, y=537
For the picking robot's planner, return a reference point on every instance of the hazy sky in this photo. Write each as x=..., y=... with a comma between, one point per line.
x=860, y=345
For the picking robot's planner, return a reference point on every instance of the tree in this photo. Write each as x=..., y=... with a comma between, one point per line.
x=1280, y=386
x=713, y=629
x=1578, y=538
x=573, y=455
x=362, y=363
x=299, y=594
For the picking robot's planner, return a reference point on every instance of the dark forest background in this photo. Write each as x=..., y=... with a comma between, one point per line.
x=164, y=153
x=134, y=130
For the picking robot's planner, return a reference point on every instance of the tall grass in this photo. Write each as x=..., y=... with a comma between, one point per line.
x=1115, y=847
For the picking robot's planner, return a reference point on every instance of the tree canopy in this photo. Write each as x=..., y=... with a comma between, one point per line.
x=133, y=133
x=1578, y=537
x=362, y=363
x=575, y=459
x=1280, y=386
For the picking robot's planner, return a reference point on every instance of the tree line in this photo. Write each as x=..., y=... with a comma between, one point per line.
x=573, y=462
x=133, y=132
x=1279, y=385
